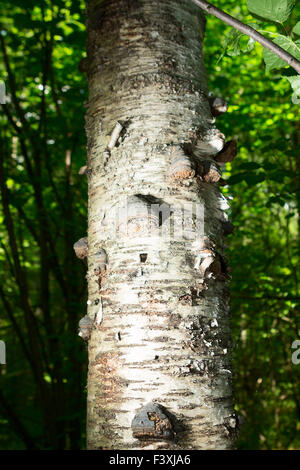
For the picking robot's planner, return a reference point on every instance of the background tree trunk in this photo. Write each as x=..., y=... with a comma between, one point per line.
x=159, y=302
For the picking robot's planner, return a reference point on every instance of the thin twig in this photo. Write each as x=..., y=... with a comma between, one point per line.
x=251, y=32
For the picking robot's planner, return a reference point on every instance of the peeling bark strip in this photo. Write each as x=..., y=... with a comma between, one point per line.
x=163, y=334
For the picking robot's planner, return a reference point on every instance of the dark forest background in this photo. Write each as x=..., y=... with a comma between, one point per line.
x=44, y=211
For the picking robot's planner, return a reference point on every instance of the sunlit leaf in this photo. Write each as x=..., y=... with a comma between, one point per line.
x=274, y=10
x=273, y=61
x=296, y=29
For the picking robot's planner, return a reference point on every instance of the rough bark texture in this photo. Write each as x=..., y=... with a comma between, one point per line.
x=158, y=300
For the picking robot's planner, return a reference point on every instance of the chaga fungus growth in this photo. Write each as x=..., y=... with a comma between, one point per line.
x=152, y=422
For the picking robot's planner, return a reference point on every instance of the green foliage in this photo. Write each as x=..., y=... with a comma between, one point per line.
x=296, y=29
x=274, y=10
x=42, y=147
x=237, y=43
x=264, y=191
x=273, y=61
x=295, y=84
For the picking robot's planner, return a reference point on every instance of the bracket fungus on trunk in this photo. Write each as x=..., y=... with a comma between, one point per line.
x=152, y=422
x=85, y=328
x=228, y=153
x=81, y=248
x=210, y=143
x=208, y=261
x=83, y=170
x=218, y=106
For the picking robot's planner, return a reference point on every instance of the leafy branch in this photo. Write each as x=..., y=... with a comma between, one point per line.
x=276, y=10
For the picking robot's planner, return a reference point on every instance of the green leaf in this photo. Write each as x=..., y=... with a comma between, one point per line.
x=254, y=178
x=273, y=61
x=270, y=166
x=294, y=80
x=250, y=166
x=277, y=176
x=295, y=84
x=275, y=200
x=234, y=179
x=237, y=43
x=296, y=29
x=234, y=49
x=274, y=10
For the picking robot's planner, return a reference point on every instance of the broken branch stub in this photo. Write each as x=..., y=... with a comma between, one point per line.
x=180, y=166
x=81, y=248
x=211, y=173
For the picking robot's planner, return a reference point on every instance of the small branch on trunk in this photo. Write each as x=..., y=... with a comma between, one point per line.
x=251, y=32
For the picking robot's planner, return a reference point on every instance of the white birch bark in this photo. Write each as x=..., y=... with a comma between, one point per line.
x=157, y=299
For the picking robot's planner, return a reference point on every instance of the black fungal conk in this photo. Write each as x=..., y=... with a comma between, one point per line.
x=151, y=422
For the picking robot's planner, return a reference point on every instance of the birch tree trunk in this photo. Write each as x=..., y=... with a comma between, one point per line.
x=158, y=325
